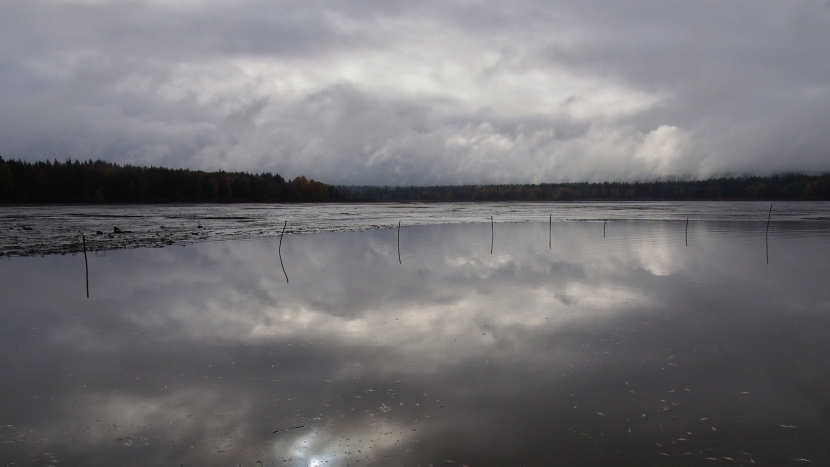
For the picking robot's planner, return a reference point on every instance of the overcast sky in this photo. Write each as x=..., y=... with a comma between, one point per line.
x=428, y=92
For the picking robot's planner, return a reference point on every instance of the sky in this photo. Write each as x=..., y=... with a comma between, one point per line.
x=419, y=93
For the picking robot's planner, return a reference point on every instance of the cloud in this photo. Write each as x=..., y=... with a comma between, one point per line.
x=401, y=93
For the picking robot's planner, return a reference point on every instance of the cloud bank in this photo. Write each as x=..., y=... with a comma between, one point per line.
x=430, y=92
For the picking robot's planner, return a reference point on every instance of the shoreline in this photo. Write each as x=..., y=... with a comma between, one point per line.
x=56, y=229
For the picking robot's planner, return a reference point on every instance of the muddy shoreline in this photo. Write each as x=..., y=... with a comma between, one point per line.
x=57, y=229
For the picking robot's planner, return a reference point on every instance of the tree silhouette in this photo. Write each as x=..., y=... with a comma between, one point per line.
x=99, y=181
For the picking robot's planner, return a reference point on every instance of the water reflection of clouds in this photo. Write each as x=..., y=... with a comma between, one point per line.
x=228, y=353
x=326, y=447
x=359, y=297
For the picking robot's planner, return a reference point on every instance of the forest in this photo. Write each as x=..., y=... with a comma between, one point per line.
x=104, y=182
x=778, y=187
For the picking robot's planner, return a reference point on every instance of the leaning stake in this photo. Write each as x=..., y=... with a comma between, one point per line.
x=399, y=242
x=279, y=251
x=86, y=266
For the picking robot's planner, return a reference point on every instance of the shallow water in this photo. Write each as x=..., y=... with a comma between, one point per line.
x=44, y=230
x=633, y=349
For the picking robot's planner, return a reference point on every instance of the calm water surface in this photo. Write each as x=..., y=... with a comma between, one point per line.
x=633, y=349
x=45, y=230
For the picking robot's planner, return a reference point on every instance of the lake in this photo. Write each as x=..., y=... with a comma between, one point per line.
x=626, y=342
x=44, y=230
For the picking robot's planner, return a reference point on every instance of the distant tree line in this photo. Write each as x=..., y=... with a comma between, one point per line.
x=779, y=187
x=105, y=182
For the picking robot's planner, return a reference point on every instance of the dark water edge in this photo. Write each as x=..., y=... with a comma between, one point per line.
x=632, y=349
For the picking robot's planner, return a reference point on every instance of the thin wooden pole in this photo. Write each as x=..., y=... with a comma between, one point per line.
x=492, y=234
x=399, y=242
x=603, y=228
x=766, y=236
x=279, y=251
x=86, y=266
x=550, y=231
x=687, y=231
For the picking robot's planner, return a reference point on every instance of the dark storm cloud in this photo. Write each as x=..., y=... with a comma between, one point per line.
x=433, y=92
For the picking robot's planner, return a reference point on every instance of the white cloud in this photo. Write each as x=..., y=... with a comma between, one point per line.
x=392, y=93
x=663, y=149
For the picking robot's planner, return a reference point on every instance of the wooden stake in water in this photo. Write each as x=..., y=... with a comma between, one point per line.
x=766, y=236
x=492, y=234
x=550, y=230
x=399, y=242
x=603, y=228
x=279, y=251
x=86, y=266
x=687, y=231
